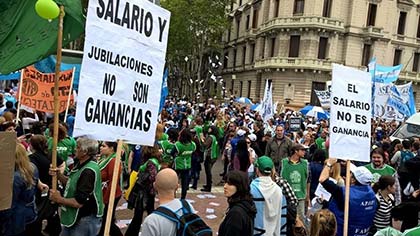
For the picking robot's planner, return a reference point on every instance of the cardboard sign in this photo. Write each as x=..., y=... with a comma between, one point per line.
x=122, y=70
x=7, y=168
x=38, y=90
x=350, y=114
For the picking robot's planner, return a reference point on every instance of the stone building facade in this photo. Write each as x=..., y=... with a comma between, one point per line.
x=293, y=43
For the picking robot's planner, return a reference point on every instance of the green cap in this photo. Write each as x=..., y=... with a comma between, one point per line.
x=264, y=164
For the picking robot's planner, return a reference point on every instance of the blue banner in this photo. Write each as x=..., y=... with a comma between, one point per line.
x=165, y=91
x=399, y=105
x=383, y=74
x=11, y=76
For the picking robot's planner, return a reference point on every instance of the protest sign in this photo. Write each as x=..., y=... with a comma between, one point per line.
x=324, y=97
x=294, y=124
x=37, y=90
x=350, y=114
x=122, y=70
x=7, y=168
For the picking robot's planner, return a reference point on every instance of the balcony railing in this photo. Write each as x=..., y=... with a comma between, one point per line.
x=373, y=32
x=294, y=63
x=409, y=76
x=304, y=21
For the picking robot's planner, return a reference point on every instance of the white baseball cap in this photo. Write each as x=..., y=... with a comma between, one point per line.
x=361, y=174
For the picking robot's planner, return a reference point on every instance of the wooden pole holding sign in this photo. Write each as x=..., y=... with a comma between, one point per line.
x=56, y=81
x=346, y=200
x=114, y=181
x=20, y=96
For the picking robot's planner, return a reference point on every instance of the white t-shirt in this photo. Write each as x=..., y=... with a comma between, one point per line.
x=157, y=225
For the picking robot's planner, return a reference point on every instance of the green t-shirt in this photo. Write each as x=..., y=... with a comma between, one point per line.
x=377, y=173
x=412, y=232
x=183, y=158
x=320, y=143
x=65, y=147
x=167, y=149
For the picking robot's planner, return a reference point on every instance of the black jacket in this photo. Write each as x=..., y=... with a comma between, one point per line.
x=239, y=220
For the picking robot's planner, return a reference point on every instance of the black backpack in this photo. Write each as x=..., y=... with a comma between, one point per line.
x=189, y=224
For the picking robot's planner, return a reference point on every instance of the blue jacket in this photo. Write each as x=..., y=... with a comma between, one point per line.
x=362, y=207
x=23, y=210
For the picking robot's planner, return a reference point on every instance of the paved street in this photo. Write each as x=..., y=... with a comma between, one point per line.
x=201, y=201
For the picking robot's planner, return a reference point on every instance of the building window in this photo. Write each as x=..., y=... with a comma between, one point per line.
x=240, y=2
x=273, y=47
x=397, y=57
x=322, y=49
x=247, y=22
x=228, y=35
x=249, y=89
x=276, y=8
x=418, y=28
x=263, y=49
x=243, y=55
x=238, y=25
x=294, y=46
x=371, y=17
x=366, y=54
x=326, y=11
x=416, y=62
x=241, y=86
x=251, y=53
x=298, y=7
x=225, y=60
x=234, y=58
x=255, y=19
x=231, y=5
x=401, y=23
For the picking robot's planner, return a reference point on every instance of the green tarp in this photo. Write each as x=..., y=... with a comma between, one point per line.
x=26, y=38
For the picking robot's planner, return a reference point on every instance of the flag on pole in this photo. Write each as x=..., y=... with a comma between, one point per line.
x=165, y=90
x=27, y=38
x=267, y=104
x=383, y=74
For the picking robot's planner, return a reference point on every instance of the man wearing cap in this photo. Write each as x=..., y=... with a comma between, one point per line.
x=296, y=171
x=279, y=147
x=362, y=203
x=267, y=196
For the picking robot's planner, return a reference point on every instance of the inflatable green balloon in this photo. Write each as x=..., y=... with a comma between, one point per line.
x=47, y=9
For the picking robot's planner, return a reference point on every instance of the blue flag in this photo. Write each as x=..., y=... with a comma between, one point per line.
x=383, y=74
x=165, y=90
x=11, y=76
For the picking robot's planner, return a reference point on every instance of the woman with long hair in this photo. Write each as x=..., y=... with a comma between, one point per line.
x=385, y=190
x=323, y=223
x=210, y=155
x=145, y=194
x=23, y=210
x=241, y=159
x=106, y=164
x=183, y=150
x=239, y=219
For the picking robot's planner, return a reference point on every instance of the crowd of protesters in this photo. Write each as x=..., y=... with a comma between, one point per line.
x=271, y=173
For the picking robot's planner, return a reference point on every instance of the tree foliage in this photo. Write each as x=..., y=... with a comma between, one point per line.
x=196, y=27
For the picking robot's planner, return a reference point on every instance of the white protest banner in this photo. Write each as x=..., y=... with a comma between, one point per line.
x=122, y=70
x=324, y=97
x=350, y=114
x=381, y=107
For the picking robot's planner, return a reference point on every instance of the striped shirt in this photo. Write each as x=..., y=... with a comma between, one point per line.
x=383, y=212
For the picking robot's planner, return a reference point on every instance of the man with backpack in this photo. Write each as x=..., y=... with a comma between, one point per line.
x=174, y=216
x=400, y=159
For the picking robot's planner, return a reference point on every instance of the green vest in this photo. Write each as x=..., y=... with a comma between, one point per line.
x=214, y=147
x=296, y=175
x=167, y=149
x=69, y=214
x=183, y=158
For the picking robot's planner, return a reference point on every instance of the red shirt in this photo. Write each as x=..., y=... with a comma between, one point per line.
x=106, y=175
